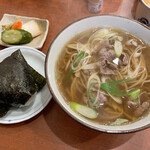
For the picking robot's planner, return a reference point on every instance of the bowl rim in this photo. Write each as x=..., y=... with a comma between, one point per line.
x=145, y=4
x=59, y=103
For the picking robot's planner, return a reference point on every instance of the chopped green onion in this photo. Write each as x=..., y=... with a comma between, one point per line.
x=119, y=121
x=78, y=59
x=68, y=75
x=74, y=65
x=112, y=89
x=92, y=98
x=134, y=94
x=118, y=48
x=84, y=110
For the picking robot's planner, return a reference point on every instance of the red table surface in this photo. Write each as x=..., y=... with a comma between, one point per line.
x=53, y=128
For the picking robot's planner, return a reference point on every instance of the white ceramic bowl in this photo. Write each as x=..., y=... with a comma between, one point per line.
x=91, y=22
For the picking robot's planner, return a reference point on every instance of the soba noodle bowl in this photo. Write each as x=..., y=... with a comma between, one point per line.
x=105, y=69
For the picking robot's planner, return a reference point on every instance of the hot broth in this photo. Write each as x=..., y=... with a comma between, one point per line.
x=113, y=57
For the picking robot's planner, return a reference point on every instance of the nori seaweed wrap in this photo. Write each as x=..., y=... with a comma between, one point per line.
x=18, y=82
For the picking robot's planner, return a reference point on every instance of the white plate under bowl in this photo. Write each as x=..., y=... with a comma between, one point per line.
x=35, y=59
x=38, y=41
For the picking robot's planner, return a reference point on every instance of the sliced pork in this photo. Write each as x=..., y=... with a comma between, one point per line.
x=107, y=68
x=102, y=44
x=123, y=60
x=142, y=108
x=107, y=54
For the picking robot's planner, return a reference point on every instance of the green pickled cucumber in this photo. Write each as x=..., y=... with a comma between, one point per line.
x=16, y=36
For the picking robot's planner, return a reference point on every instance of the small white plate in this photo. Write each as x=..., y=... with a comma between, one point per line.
x=38, y=41
x=36, y=59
